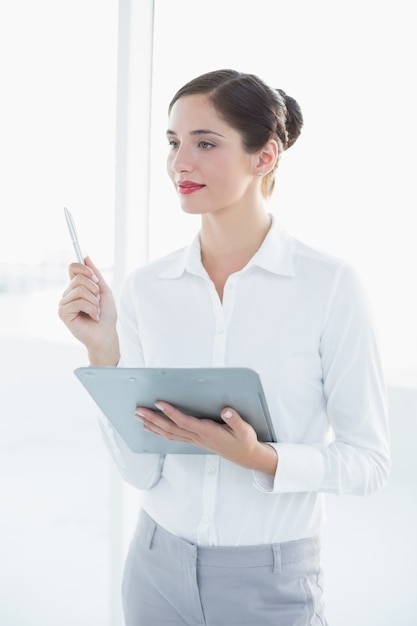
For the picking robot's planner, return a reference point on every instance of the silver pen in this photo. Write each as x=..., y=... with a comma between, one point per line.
x=73, y=234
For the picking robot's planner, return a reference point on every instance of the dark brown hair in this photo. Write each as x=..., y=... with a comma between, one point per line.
x=258, y=112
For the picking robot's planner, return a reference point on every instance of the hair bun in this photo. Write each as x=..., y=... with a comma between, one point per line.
x=294, y=121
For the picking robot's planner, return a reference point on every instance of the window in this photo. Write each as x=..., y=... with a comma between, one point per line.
x=57, y=128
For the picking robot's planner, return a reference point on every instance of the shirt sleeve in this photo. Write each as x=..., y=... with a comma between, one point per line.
x=143, y=471
x=357, y=459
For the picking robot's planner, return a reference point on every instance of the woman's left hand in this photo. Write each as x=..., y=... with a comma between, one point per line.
x=234, y=440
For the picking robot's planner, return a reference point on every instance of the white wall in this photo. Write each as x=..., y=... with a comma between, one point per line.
x=370, y=544
x=54, y=498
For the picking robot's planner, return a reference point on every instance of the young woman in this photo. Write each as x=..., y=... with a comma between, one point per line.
x=232, y=537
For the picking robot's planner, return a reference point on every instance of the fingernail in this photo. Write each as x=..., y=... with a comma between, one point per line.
x=139, y=413
x=94, y=277
x=159, y=406
x=227, y=414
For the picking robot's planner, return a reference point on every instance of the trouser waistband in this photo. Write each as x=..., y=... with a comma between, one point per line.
x=276, y=555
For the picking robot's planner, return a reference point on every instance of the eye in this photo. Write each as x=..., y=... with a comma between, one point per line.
x=206, y=145
x=173, y=144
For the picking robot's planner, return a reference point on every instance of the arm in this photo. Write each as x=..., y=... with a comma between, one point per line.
x=87, y=308
x=357, y=460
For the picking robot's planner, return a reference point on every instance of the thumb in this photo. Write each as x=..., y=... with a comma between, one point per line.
x=240, y=428
x=230, y=416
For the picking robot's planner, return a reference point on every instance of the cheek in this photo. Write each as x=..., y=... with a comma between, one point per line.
x=222, y=169
x=234, y=176
x=237, y=163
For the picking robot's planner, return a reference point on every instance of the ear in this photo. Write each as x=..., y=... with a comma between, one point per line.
x=267, y=157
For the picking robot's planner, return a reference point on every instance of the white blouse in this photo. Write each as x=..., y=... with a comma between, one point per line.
x=301, y=319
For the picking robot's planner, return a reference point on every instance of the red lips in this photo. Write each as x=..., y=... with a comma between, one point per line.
x=188, y=186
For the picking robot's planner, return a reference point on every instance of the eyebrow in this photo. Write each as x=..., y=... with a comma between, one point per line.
x=200, y=131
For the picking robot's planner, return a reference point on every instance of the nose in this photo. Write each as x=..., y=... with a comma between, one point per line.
x=180, y=160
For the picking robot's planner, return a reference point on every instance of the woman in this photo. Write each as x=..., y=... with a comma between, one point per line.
x=232, y=537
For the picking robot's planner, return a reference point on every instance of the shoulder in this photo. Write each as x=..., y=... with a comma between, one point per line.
x=315, y=262
x=335, y=282
x=326, y=273
x=308, y=256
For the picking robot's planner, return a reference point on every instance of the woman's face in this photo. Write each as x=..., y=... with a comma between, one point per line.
x=207, y=163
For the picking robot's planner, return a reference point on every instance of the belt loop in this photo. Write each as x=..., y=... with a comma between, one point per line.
x=276, y=549
x=149, y=531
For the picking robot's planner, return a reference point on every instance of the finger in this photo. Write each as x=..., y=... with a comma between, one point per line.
x=161, y=425
x=96, y=272
x=79, y=299
x=162, y=422
x=78, y=269
x=81, y=280
x=187, y=422
x=69, y=311
x=80, y=293
x=178, y=435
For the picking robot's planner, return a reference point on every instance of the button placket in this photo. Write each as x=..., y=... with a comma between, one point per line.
x=229, y=298
x=219, y=340
x=207, y=532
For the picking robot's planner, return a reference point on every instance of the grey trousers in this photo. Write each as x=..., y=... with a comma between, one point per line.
x=170, y=581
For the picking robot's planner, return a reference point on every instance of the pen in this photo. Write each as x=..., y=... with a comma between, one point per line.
x=73, y=234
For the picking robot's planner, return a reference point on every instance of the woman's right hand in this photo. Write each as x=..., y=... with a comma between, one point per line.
x=88, y=310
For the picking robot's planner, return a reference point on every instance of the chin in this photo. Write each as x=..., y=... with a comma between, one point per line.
x=193, y=209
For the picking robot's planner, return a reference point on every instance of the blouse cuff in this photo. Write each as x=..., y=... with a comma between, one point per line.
x=300, y=469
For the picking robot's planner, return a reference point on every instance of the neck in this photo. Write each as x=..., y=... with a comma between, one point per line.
x=228, y=241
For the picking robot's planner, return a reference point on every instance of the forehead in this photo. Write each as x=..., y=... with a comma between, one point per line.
x=196, y=112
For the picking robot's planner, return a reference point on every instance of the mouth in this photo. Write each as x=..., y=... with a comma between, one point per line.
x=186, y=187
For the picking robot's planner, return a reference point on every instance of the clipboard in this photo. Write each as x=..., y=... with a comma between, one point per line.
x=201, y=392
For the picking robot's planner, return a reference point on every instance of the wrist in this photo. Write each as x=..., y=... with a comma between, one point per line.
x=265, y=459
x=104, y=355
